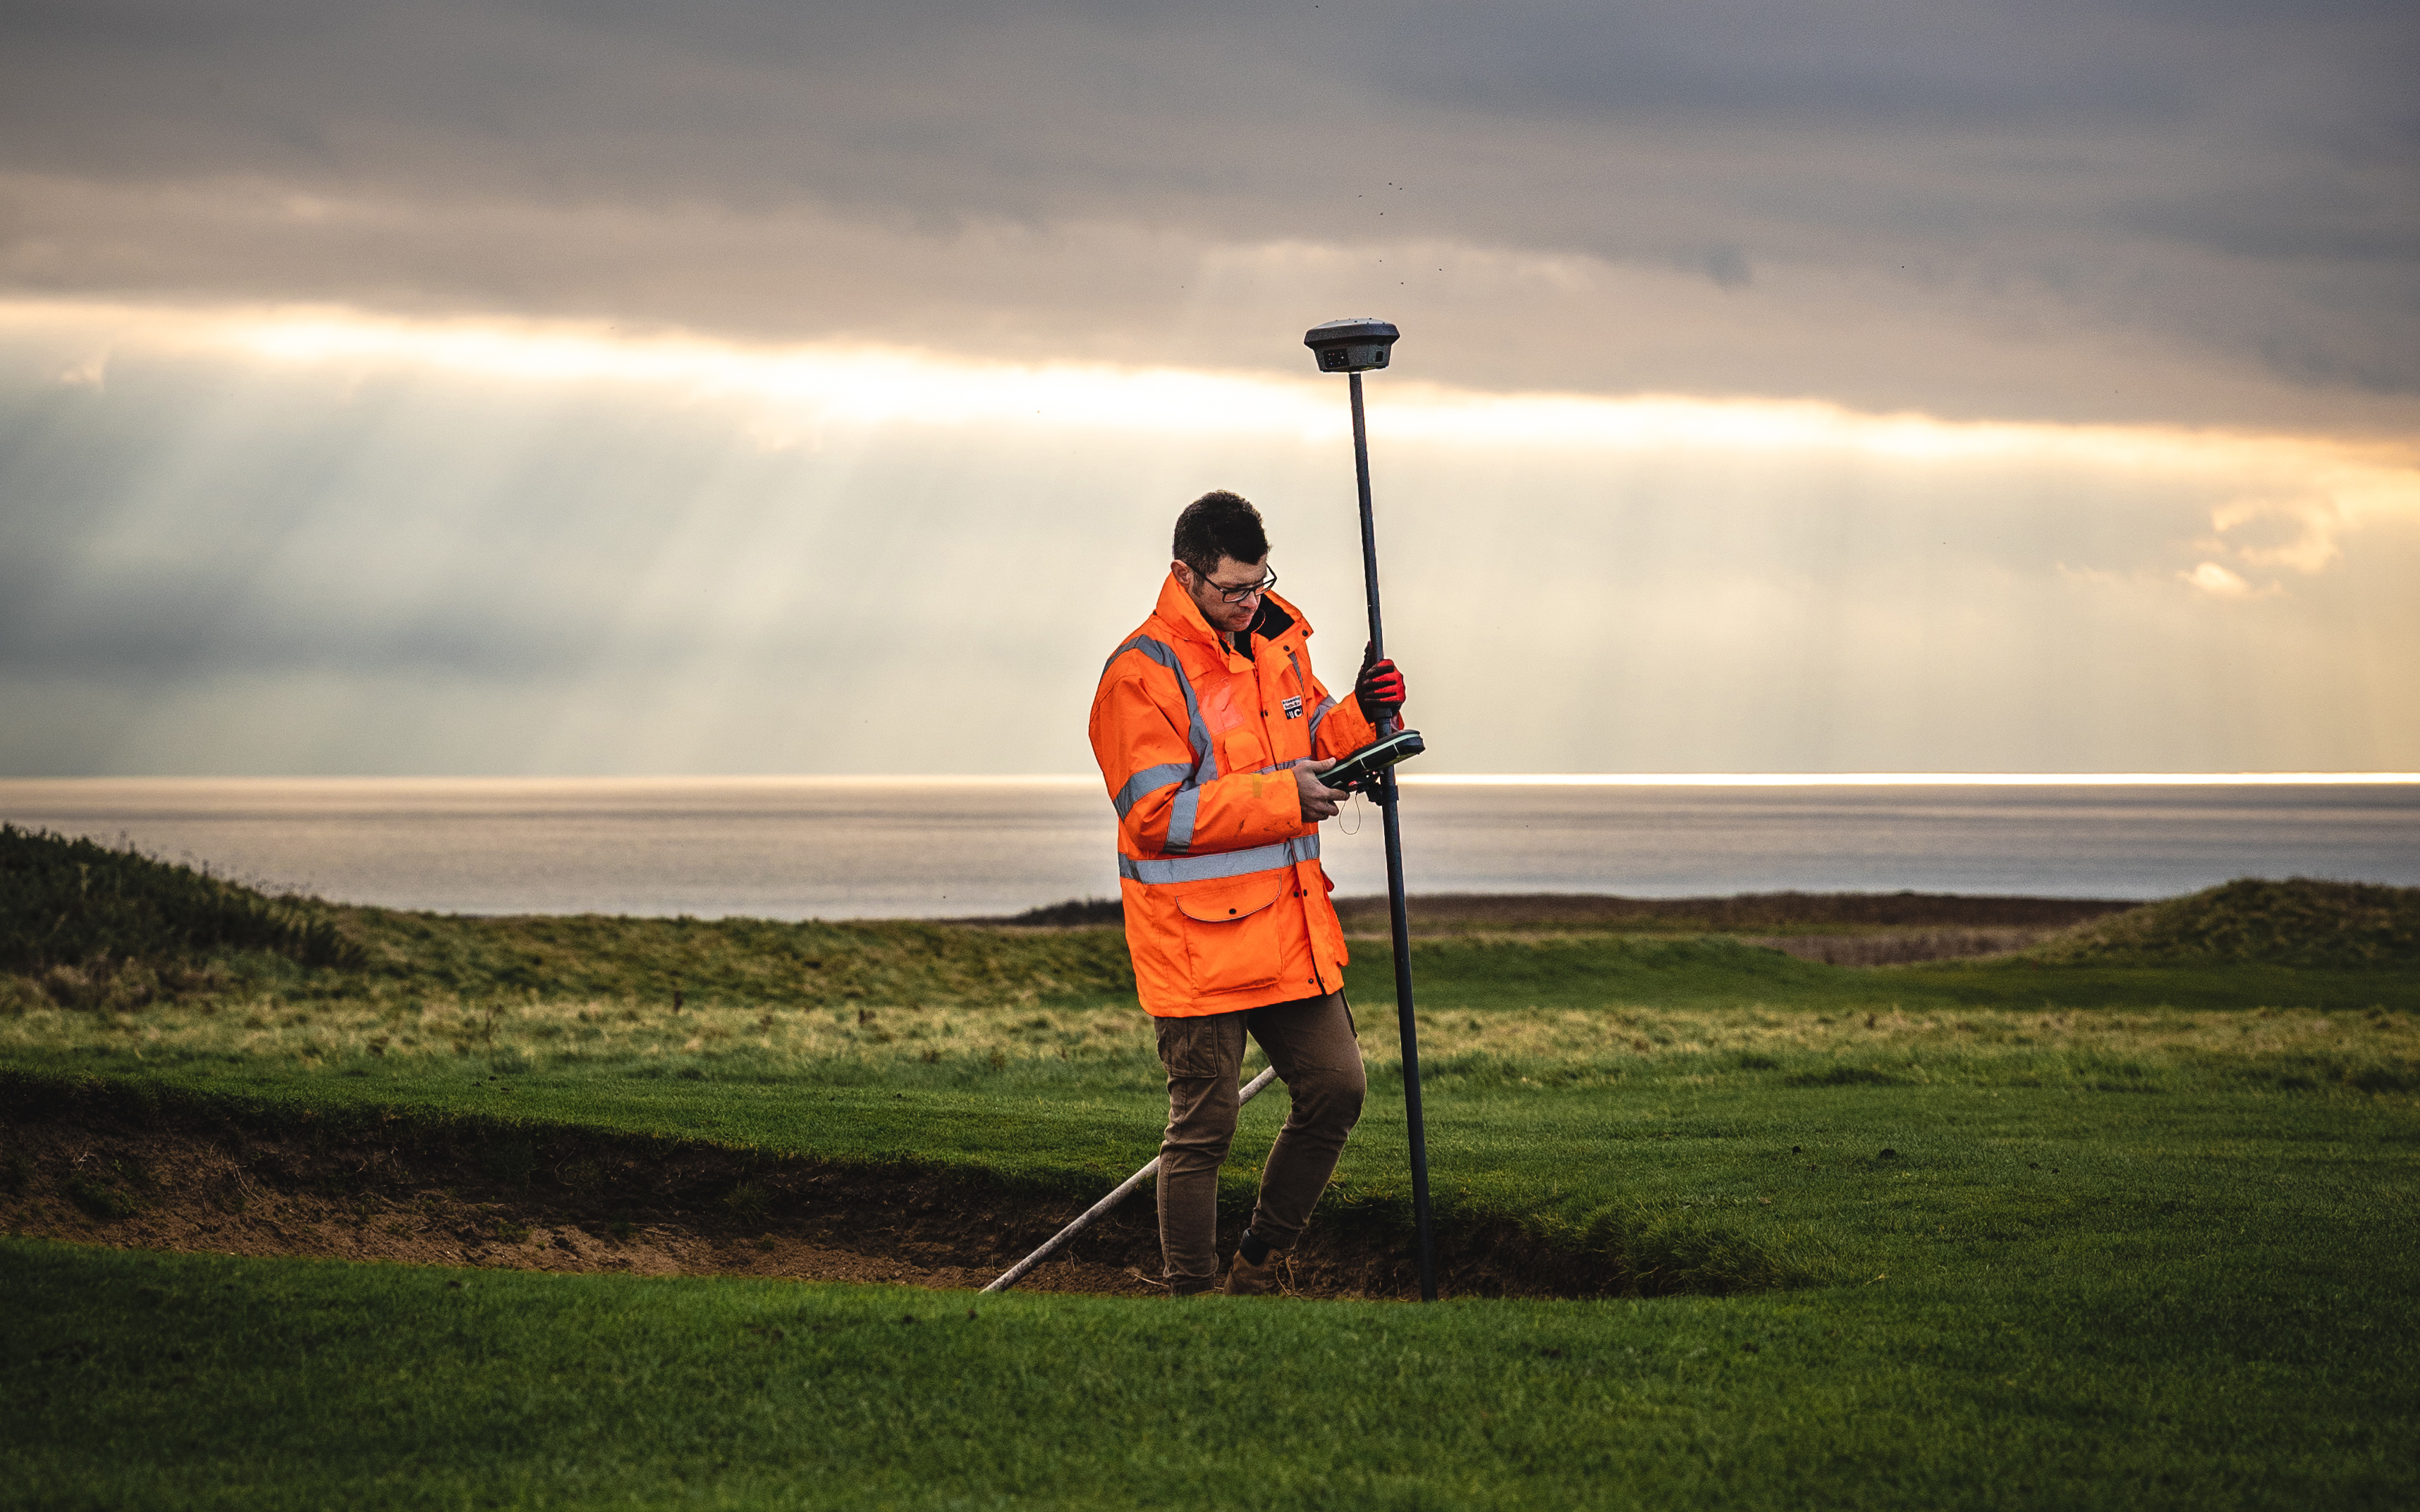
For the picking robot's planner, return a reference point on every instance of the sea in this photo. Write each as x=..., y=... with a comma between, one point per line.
x=833, y=847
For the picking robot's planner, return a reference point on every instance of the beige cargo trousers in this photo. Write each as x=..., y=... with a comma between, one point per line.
x=1311, y=1042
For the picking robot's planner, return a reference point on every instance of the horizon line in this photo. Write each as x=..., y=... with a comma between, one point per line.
x=1408, y=778
x=1909, y=779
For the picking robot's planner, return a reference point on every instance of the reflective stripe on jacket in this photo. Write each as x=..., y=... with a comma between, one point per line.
x=1226, y=904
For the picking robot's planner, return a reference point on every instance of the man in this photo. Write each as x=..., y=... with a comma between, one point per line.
x=1211, y=731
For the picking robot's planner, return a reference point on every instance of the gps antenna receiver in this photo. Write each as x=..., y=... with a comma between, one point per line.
x=1351, y=346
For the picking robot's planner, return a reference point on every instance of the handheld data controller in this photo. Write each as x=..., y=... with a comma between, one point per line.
x=1358, y=772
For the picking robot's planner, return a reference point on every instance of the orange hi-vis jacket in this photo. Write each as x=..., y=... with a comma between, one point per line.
x=1225, y=901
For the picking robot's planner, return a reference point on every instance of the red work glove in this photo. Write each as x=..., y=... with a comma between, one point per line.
x=1380, y=688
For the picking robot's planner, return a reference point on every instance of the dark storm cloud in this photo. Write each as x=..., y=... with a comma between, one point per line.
x=742, y=100
x=2236, y=182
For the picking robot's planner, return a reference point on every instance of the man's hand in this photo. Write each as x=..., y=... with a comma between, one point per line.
x=1319, y=800
x=1380, y=688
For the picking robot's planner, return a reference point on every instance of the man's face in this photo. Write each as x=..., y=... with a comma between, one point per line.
x=1230, y=576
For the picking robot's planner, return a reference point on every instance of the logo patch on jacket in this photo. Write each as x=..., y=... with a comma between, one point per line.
x=1294, y=708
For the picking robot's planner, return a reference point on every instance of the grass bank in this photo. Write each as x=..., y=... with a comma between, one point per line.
x=2107, y=1223
x=2056, y=1275
x=1797, y=1144
x=2225, y=1353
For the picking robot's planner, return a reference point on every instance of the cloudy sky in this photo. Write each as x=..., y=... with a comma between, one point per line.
x=742, y=387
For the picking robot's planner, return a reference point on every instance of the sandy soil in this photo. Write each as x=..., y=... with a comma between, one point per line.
x=88, y=1170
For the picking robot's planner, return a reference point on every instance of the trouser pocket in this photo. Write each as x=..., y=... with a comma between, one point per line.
x=1204, y=1047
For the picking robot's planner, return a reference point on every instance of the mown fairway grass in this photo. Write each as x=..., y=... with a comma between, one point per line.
x=2082, y=1280
x=2144, y=1235
x=2188, y=1373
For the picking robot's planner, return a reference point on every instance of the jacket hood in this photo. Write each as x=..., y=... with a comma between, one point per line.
x=1177, y=608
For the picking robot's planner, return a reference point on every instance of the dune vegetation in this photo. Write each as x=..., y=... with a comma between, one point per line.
x=2304, y=923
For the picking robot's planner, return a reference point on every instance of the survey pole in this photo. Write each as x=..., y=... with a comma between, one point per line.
x=1084, y=1220
x=1354, y=346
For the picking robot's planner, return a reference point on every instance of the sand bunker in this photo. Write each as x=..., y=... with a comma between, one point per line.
x=88, y=1170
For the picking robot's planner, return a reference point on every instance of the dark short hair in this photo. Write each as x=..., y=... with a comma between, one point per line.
x=1219, y=524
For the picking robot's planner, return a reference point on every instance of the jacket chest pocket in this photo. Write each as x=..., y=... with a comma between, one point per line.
x=1243, y=752
x=1234, y=939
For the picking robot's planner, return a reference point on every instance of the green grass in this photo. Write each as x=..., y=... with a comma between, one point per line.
x=1553, y=1120
x=1515, y=972
x=2090, y=1271
x=394, y=956
x=96, y=930
x=2297, y=924
x=67, y=901
x=2051, y=1296
x=2124, y=1221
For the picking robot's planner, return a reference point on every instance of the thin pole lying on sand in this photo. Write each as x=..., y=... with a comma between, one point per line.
x=1126, y=1189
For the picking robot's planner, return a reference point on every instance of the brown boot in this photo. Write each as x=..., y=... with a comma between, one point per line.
x=1245, y=1279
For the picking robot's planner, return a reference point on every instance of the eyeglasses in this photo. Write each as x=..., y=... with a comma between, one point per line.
x=1237, y=595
